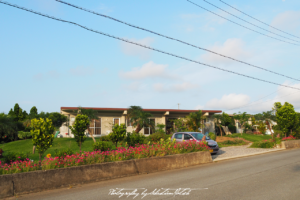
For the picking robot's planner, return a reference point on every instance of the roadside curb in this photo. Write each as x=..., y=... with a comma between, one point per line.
x=246, y=155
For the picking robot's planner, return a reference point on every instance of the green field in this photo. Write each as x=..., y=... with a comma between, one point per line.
x=250, y=137
x=26, y=146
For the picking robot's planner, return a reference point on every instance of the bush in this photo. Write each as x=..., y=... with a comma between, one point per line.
x=263, y=144
x=12, y=157
x=232, y=128
x=105, y=138
x=24, y=135
x=134, y=138
x=63, y=152
x=102, y=146
x=212, y=136
x=156, y=137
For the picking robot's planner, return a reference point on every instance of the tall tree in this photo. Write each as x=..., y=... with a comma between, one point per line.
x=33, y=112
x=243, y=118
x=139, y=118
x=80, y=125
x=223, y=120
x=92, y=115
x=194, y=121
x=287, y=118
x=8, y=127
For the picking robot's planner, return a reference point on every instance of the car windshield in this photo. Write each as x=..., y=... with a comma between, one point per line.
x=199, y=136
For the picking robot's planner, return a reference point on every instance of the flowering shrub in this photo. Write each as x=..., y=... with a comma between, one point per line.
x=18, y=167
x=289, y=138
x=161, y=148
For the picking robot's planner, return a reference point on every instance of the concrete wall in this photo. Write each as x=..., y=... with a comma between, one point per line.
x=290, y=144
x=36, y=181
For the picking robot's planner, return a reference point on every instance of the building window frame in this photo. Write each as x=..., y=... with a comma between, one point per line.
x=149, y=128
x=94, y=127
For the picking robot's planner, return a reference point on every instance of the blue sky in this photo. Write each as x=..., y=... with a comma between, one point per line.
x=49, y=64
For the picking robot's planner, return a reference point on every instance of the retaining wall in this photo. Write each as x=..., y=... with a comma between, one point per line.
x=290, y=144
x=36, y=181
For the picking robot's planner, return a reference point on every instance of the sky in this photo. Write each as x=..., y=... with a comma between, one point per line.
x=51, y=64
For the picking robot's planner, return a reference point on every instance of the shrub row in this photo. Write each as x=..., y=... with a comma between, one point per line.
x=161, y=148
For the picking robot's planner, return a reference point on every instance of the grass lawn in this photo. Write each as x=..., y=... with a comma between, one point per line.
x=26, y=146
x=250, y=137
x=229, y=143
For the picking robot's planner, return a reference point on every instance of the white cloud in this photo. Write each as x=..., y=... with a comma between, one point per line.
x=134, y=50
x=287, y=20
x=232, y=47
x=82, y=71
x=159, y=87
x=148, y=70
x=228, y=101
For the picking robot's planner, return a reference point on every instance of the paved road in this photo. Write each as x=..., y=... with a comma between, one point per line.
x=239, y=151
x=273, y=175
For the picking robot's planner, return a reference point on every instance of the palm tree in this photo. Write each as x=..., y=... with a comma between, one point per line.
x=92, y=115
x=139, y=118
x=194, y=121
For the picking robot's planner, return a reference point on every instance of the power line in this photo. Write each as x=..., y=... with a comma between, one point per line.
x=157, y=50
x=242, y=25
x=249, y=22
x=147, y=30
x=259, y=20
x=248, y=105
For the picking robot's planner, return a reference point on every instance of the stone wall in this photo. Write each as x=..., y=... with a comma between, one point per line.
x=36, y=181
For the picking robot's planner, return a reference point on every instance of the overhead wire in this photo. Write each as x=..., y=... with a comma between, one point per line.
x=242, y=25
x=253, y=102
x=259, y=20
x=157, y=50
x=250, y=22
x=174, y=39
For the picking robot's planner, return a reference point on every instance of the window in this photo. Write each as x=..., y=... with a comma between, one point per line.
x=149, y=130
x=187, y=137
x=116, y=121
x=178, y=136
x=95, y=127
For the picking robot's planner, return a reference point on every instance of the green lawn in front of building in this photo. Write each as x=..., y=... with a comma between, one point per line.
x=250, y=137
x=26, y=146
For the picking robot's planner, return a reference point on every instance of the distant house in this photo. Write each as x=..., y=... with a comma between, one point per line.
x=107, y=117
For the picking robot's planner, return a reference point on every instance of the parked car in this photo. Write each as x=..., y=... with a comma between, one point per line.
x=184, y=136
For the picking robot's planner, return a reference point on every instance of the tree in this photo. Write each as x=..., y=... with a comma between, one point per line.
x=33, y=112
x=262, y=127
x=180, y=125
x=194, y=121
x=243, y=118
x=18, y=113
x=42, y=135
x=57, y=119
x=287, y=118
x=80, y=125
x=8, y=127
x=92, y=115
x=118, y=133
x=222, y=120
x=139, y=118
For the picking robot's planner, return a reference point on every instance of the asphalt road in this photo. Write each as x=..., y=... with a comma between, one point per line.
x=269, y=176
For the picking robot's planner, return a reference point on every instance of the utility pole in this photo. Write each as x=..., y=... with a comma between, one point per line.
x=178, y=105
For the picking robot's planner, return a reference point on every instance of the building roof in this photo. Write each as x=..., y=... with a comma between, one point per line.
x=147, y=110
